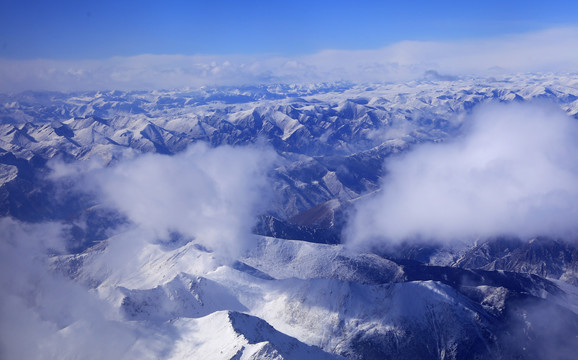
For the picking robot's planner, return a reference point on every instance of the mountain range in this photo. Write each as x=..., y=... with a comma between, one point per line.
x=262, y=271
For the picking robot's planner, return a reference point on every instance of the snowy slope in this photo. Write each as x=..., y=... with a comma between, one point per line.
x=233, y=335
x=355, y=305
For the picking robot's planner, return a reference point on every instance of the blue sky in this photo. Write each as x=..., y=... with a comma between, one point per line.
x=78, y=29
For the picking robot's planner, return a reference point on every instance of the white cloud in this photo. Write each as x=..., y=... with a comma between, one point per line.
x=514, y=171
x=45, y=316
x=212, y=195
x=551, y=50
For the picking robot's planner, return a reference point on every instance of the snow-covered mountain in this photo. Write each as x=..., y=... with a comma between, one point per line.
x=167, y=264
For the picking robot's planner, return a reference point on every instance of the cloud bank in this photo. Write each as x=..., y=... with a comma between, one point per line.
x=513, y=172
x=552, y=50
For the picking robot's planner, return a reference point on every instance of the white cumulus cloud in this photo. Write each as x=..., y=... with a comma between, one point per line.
x=514, y=171
x=210, y=194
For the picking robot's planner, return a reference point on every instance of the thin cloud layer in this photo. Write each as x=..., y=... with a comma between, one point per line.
x=551, y=50
x=513, y=172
